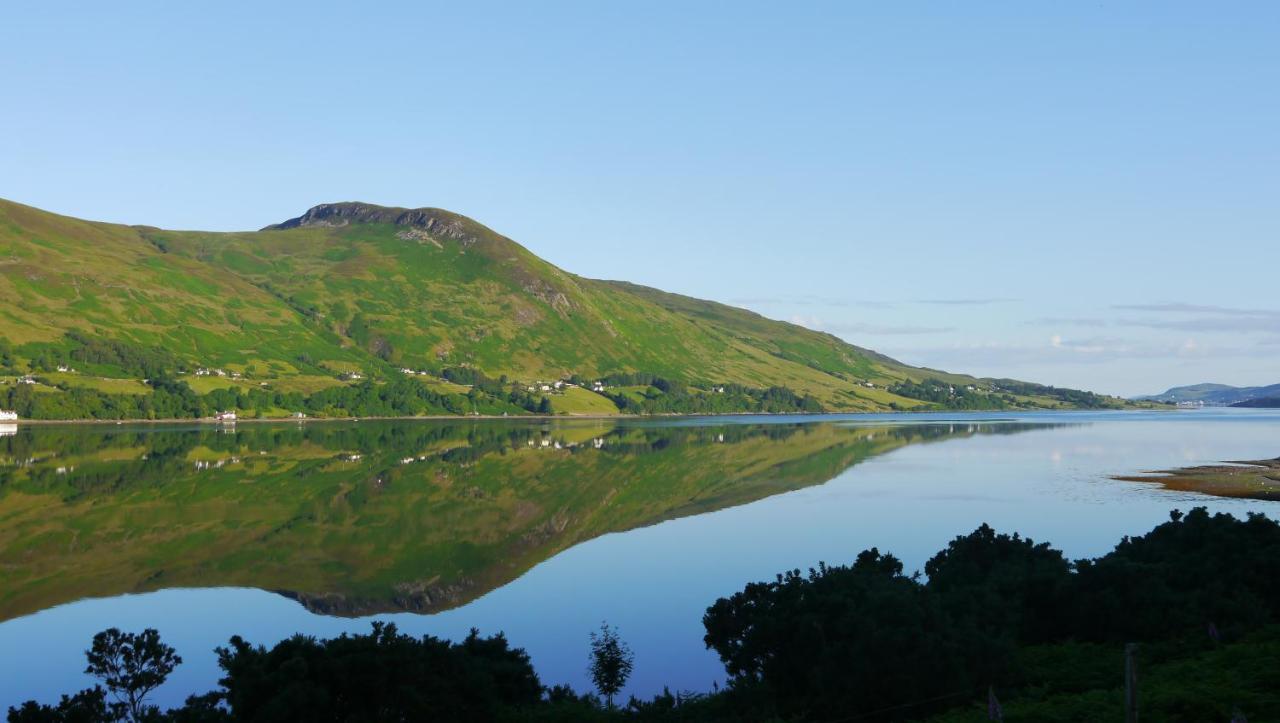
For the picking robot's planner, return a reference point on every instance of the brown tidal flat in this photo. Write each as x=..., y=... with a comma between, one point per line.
x=1259, y=479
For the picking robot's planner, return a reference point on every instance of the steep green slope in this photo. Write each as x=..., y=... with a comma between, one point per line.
x=353, y=287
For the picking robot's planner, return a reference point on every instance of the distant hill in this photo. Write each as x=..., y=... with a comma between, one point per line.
x=354, y=309
x=1260, y=403
x=1214, y=394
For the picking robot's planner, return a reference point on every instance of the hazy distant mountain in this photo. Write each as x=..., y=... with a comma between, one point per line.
x=1215, y=394
x=1260, y=403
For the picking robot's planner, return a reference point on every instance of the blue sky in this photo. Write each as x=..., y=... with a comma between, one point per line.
x=1078, y=194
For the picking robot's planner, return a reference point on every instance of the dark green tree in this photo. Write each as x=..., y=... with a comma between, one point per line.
x=611, y=662
x=131, y=665
x=380, y=676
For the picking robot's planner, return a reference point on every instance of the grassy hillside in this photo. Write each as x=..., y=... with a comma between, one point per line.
x=354, y=289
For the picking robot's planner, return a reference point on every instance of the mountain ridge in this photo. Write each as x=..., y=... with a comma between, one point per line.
x=1213, y=394
x=350, y=293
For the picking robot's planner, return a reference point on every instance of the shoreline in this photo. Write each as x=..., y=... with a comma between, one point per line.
x=545, y=417
x=1248, y=479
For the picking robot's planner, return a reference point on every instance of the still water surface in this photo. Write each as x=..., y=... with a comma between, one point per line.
x=538, y=529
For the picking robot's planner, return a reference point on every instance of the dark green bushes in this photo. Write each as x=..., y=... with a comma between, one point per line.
x=1200, y=593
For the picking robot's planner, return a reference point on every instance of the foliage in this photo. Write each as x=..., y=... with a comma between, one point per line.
x=131, y=665
x=87, y=706
x=611, y=662
x=866, y=639
x=948, y=395
x=380, y=676
x=1073, y=397
x=863, y=641
x=838, y=640
x=668, y=397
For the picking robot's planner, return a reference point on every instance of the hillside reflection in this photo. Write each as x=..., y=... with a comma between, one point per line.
x=357, y=518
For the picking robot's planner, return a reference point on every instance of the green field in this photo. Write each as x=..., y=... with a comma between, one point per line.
x=576, y=400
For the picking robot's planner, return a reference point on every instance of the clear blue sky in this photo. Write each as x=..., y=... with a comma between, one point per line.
x=1079, y=194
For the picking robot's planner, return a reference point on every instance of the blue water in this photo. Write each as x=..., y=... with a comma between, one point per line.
x=653, y=583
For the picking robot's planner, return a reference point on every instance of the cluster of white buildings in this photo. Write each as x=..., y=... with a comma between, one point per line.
x=202, y=464
x=549, y=443
x=560, y=384
x=207, y=372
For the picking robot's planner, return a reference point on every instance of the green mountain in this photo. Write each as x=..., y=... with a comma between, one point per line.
x=323, y=313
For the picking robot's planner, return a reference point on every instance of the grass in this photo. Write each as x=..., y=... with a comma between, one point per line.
x=1258, y=480
x=102, y=384
x=313, y=302
x=576, y=400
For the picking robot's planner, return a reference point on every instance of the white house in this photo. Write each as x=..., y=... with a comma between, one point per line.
x=7, y=416
x=225, y=416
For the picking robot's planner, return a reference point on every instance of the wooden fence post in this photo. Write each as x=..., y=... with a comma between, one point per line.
x=1130, y=683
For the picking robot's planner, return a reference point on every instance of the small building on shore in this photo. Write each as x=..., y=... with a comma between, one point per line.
x=7, y=416
x=225, y=416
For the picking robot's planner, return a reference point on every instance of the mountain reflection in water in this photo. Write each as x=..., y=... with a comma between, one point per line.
x=359, y=518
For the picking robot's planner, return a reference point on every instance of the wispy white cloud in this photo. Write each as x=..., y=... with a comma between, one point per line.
x=1059, y=349
x=1266, y=324
x=1069, y=321
x=884, y=329
x=966, y=302
x=838, y=327
x=808, y=300
x=1180, y=308
x=1202, y=318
